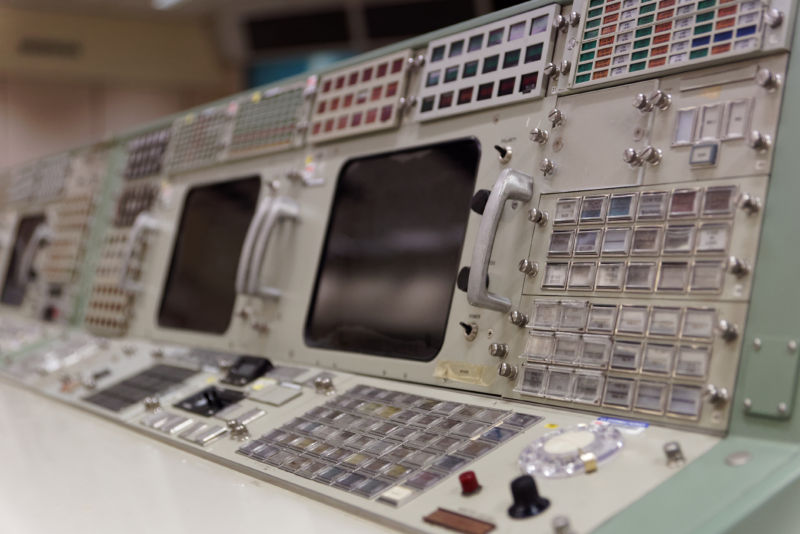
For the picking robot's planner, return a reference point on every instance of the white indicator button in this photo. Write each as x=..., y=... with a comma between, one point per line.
x=568, y=348
x=559, y=384
x=593, y=209
x=651, y=396
x=588, y=242
x=665, y=321
x=704, y=154
x=713, y=237
x=581, y=275
x=621, y=207
x=532, y=380
x=610, y=275
x=539, y=346
x=560, y=244
x=708, y=276
x=569, y=442
x=719, y=201
x=619, y=393
x=658, y=359
x=626, y=355
x=617, y=241
x=546, y=314
x=587, y=387
x=555, y=275
x=685, y=400
x=711, y=122
x=673, y=276
x=738, y=119
x=653, y=205
x=633, y=320
x=647, y=240
x=685, y=203
x=573, y=315
x=693, y=361
x=699, y=323
x=684, y=127
x=602, y=318
x=567, y=210
x=679, y=239
x=596, y=351
x=640, y=276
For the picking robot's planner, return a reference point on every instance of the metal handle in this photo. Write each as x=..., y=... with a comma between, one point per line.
x=510, y=185
x=243, y=270
x=40, y=235
x=144, y=221
x=281, y=208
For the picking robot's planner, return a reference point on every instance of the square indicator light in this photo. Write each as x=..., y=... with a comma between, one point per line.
x=610, y=275
x=376, y=93
x=719, y=201
x=490, y=64
x=534, y=53
x=456, y=49
x=427, y=103
x=713, y=237
x=372, y=115
x=465, y=96
x=621, y=207
x=588, y=242
x=633, y=320
x=340, y=82
x=679, y=239
x=602, y=318
x=533, y=380
x=685, y=203
x=485, y=91
x=505, y=87
x=446, y=100
x=587, y=387
x=475, y=43
x=573, y=315
x=527, y=82
x=646, y=240
x=652, y=205
x=665, y=322
x=567, y=210
x=581, y=275
x=511, y=59
x=596, y=351
x=433, y=78
x=699, y=323
x=546, y=314
x=353, y=78
x=437, y=54
x=397, y=65
x=617, y=241
x=516, y=31
x=348, y=100
x=470, y=69
x=540, y=346
x=555, y=275
x=708, y=276
x=640, y=276
x=685, y=401
x=560, y=244
x=451, y=74
x=673, y=276
x=650, y=397
x=496, y=37
x=386, y=112
x=619, y=393
x=593, y=209
x=559, y=384
x=356, y=119
x=382, y=70
x=626, y=355
x=391, y=89
x=693, y=361
x=568, y=348
x=326, y=86
x=658, y=359
x=539, y=25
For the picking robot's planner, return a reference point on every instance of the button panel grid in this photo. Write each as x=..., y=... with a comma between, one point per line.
x=200, y=139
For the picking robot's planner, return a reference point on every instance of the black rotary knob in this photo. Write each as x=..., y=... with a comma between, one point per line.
x=527, y=501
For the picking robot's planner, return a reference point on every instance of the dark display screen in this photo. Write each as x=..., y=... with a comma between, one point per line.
x=392, y=251
x=200, y=290
x=13, y=291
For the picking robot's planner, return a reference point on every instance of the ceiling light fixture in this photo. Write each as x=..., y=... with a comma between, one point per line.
x=166, y=4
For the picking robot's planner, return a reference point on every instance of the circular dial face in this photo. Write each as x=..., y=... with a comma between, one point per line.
x=565, y=452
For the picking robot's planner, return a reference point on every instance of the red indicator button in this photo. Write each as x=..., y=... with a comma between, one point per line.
x=469, y=482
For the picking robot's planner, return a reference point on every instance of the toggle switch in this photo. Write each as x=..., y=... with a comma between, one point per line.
x=504, y=152
x=470, y=330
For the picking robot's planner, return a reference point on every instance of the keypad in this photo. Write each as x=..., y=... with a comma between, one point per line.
x=200, y=139
x=368, y=440
x=146, y=154
x=268, y=121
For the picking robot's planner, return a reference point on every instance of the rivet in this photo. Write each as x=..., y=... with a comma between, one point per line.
x=792, y=346
x=738, y=459
x=757, y=343
x=748, y=403
x=782, y=408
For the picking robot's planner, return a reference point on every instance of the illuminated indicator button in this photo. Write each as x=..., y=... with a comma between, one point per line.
x=361, y=96
x=685, y=401
x=469, y=482
x=596, y=351
x=702, y=41
x=386, y=112
x=611, y=18
x=640, y=276
x=595, y=3
x=321, y=106
x=582, y=275
x=516, y=31
x=326, y=86
x=376, y=93
x=451, y=74
x=661, y=39
x=555, y=275
x=511, y=59
x=397, y=65
x=587, y=56
x=372, y=115
x=650, y=397
x=648, y=8
x=539, y=25
x=704, y=17
x=657, y=62
x=532, y=380
x=708, y=276
x=585, y=67
x=587, y=387
x=602, y=63
x=726, y=11
x=621, y=207
x=679, y=239
x=685, y=203
x=644, y=32
x=341, y=123
x=527, y=82
x=348, y=100
x=738, y=119
x=639, y=55
x=594, y=13
x=665, y=321
x=366, y=74
x=693, y=361
x=723, y=36
x=391, y=89
x=660, y=50
x=533, y=53
x=353, y=78
x=567, y=210
x=539, y=346
x=568, y=348
x=559, y=384
x=446, y=100
x=606, y=41
x=593, y=209
x=684, y=127
x=704, y=4
x=593, y=23
x=602, y=318
x=588, y=242
x=605, y=31
x=626, y=355
x=560, y=243
x=697, y=54
x=673, y=276
x=329, y=125
x=490, y=64
x=495, y=37
x=433, y=78
x=316, y=128
x=583, y=78
x=711, y=121
x=470, y=69
x=591, y=45
x=437, y=54
x=465, y=96
x=663, y=15
x=727, y=23
x=427, y=104
x=704, y=155
x=485, y=91
x=610, y=275
x=506, y=86
x=614, y=6
x=635, y=67
x=456, y=48
x=475, y=43
x=699, y=323
x=340, y=82
x=619, y=393
x=658, y=359
x=633, y=320
x=713, y=237
x=382, y=70
x=645, y=20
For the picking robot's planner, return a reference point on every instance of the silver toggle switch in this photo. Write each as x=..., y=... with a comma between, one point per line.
x=651, y=155
x=759, y=141
x=498, y=350
x=773, y=17
x=750, y=204
x=674, y=454
x=539, y=135
x=504, y=153
x=738, y=267
x=556, y=117
x=528, y=267
x=767, y=79
x=728, y=330
x=507, y=370
x=518, y=318
x=631, y=157
x=547, y=167
x=717, y=396
x=537, y=216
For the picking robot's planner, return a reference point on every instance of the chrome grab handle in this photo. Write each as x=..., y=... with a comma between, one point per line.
x=281, y=208
x=245, y=259
x=144, y=221
x=39, y=236
x=510, y=185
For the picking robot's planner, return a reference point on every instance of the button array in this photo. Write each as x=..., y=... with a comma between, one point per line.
x=622, y=38
x=268, y=121
x=370, y=440
x=199, y=139
x=146, y=154
x=488, y=66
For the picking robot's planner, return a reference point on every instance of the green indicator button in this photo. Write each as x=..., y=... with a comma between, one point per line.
x=644, y=32
x=704, y=17
x=645, y=20
x=641, y=43
x=637, y=66
x=705, y=28
x=593, y=23
x=590, y=34
x=647, y=9
x=595, y=3
x=591, y=45
x=584, y=67
x=595, y=13
x=639, y=55
x=706, y=3
x=698, y=53
x=583, y=78
x=587, y=56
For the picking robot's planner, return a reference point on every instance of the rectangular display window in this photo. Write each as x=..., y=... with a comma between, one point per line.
x=617, y=241
x=568, y=348
x=685, y=401
x=640, y=276
x=561, y=243
x=567, y=210
x=539, y=346
x=573, y=315
x=719, y=201
x=555, y=275
x=593, y=209
x=619, y=393
x=587, y=242
x=621, y=207
x=596, y=351
x=708, y=276
x=713, y=237
x=665, y=321
x=532, y=380
x=582, y=275
x=679, y=239
x=587, y=388
x=658, y=359
x=684, y=203
x=652, y=206
x=673, y=276
x=626, y=355
x=699, y=323
x=693, y=361
x=602, y=318
x=647, y=240
x=650, y=397
x=633, y=320
x=610, y=275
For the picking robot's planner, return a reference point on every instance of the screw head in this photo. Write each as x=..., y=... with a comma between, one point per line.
x=792, y=346
x=782, y=408
x=748, y=403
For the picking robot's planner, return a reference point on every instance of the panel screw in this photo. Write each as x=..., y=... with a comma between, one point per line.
x=757, y=343
x=748, y=403
x=782, y=408
x=792, y=346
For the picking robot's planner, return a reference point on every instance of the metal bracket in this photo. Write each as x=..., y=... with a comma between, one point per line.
x=770, y=380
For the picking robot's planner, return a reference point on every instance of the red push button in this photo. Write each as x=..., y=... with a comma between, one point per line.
x=469, y=482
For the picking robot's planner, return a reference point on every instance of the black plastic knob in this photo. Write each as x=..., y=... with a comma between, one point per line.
x=479, y=200
x=527, y=501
